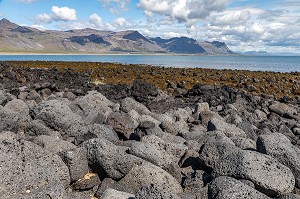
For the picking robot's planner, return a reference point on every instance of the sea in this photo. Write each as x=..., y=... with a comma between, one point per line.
x=252, y=63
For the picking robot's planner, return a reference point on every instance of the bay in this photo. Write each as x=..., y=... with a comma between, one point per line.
x=252, y=63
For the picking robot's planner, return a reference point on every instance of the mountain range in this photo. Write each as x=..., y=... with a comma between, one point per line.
x=16, y=38
x=265, y=53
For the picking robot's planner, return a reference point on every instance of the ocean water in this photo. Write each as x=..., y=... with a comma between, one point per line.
x=252, y=63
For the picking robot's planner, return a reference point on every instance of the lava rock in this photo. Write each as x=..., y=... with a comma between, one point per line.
x=26, y=167
x=228, y=188
x=143, y=91
x=57, y=115
x=109, y=160
x=283, y=109
x=147, y=174
x=279, y=146
x=129, y=104
x=230, y=130
x=269, y=176
x=76, y=161
x=122, y=123
x=153, y=191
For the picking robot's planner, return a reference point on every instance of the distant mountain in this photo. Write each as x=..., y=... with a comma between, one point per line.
x=265, y=53
x=182, y=45
x=15, y=38
x=216, y=47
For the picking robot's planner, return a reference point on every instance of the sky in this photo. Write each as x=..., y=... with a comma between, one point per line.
x=244, y=25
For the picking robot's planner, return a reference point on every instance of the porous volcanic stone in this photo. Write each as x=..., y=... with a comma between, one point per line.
x=26, y=169
x=122, y=123
x=57, y=115
x=279, y=146
x=269, y=176
x=230, y=130
x=147, y=174
x=229, y=188
x=109, y=160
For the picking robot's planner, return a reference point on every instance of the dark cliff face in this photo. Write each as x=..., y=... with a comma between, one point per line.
x=22, y=29
x=180, y=45
x=218, y=44
x=135, y=36
x=82, y=40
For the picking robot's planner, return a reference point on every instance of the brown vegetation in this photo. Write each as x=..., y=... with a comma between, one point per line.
x=266, y=83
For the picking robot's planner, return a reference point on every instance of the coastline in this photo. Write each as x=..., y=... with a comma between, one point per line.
x=168, y=79
x=109, y=53
x=91, y=127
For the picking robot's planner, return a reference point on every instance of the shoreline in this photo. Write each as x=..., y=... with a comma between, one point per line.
x=92, y=139
x=172, y=80
x=121, y=53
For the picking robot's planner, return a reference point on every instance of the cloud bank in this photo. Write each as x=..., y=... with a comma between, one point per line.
x=58, y=14
x=242, y=28
x=187, y=11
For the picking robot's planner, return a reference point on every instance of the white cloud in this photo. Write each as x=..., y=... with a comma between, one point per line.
x=96, y=20
x=64, y=13
x=39, y=27
x=188, y=11
x=171, y=34
x=122, y=22
x=44, y=18
x=114, y=6
x=251, y=29
x=58, y=14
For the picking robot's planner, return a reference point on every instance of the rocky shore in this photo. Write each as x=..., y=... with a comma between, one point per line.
x=124, y=132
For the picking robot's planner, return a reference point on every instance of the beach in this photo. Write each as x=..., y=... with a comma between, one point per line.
x=107, y=130
x=273, y=84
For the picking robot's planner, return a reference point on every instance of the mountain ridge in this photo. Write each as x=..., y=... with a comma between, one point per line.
x=16, y=38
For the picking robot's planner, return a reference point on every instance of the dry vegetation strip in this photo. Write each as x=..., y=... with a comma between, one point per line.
x=269, y=83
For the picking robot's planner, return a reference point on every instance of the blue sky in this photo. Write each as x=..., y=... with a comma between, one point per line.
x=244, y=25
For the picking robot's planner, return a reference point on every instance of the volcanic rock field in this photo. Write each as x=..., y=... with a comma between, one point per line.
x=122, y=132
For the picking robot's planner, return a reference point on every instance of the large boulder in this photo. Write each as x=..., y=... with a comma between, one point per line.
x=149, y=153
x=57, y=115
x=76, y=161
x=96, y=131
x=147, y=174
x=12, y=121
x=94, y=101
x=279, y=146
x=229, y=188
x=18, y=106
x=158, y=151
x=53, y=144
x=143, y=91
x=122, y=123
x=129, y=104
x=26, y=169
x=214, y=151
x=172, y=125
x=230, y=130
x=269, y=176
x=38, y=127
x=109, y=160
x=283, y=110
